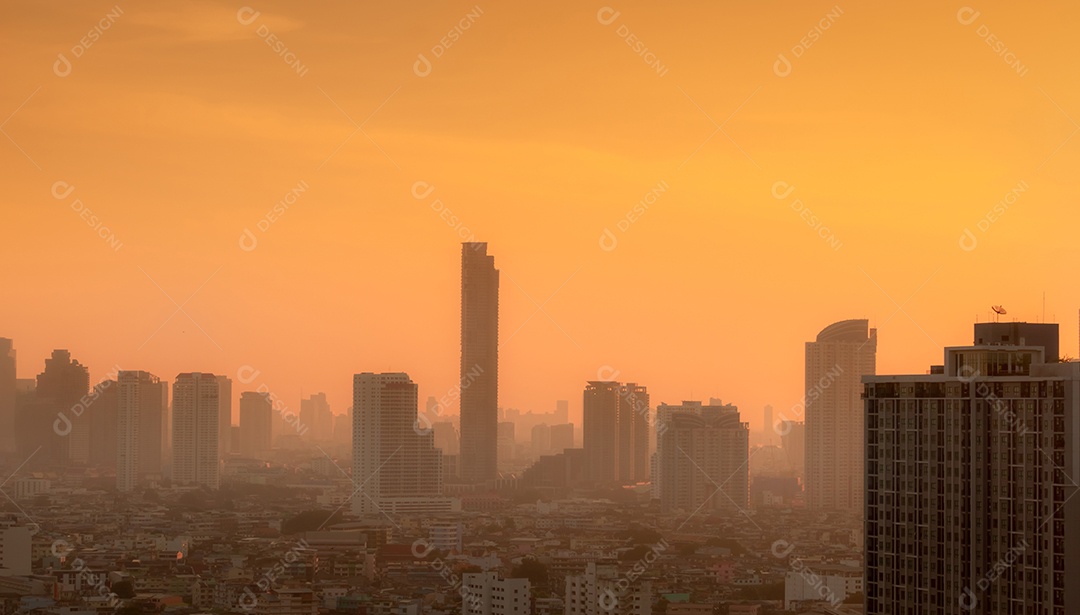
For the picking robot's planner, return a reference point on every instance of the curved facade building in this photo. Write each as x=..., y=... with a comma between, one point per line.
x=836, y=361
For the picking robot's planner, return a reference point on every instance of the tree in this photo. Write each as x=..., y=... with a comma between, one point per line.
x=123, y=589
x=531, y=569
x=309, y=521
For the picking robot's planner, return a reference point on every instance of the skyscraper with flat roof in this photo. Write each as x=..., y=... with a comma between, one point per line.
x=141, y=406
x=479, y=363
x=616, y=431
x=196, y=414
x=836, y=361
x=224, y=415
x=702, y=458
x=256, y=416
x=395, y=462
x=970, y=478
x=7, y=395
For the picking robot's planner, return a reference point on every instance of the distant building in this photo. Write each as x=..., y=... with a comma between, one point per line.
x=195, y=438
x=601, y=590
x=562, y=437
x=315, y=413
x=141, y=403
x=62, y=434
x=841, y=355
x=507, y=442
x=256, y=416
x=793, y=442
x=487, y=594
x=479, y=382
x=702, y=458
x=446, y=437
x=7, y=395
x=224, y=415
x=395, y=465
x=562, y=412
x=540, y=439
x=616, y=432
x=970, y=476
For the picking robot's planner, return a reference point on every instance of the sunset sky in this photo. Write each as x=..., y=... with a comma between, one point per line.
x=538, y=127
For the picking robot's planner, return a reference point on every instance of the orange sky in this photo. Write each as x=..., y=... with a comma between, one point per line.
x=539, y=127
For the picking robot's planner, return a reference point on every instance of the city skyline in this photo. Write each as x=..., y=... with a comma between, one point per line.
x=845, y=158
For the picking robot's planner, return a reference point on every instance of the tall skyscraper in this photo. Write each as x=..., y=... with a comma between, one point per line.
x=62, y=385
x=843, y=353
x=315, y=413
x=256, y=415
x=793, y=442
x=103, y=415
x=479, y=363
x=702, y=454
x=392, y=460
x=616, y=436
x=141, y=405
x=7, y=395
x=971, y=474
x=224, y=415
x=196, y=411
x=767, y=426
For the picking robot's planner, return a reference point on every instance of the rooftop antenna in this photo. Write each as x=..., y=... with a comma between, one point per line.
x=998, y=311
x=1044, y=307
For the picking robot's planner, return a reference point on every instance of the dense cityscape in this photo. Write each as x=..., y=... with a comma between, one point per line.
x=539, y=308
x=146, y=495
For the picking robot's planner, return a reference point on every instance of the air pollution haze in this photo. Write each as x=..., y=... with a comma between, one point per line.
x=626, y=217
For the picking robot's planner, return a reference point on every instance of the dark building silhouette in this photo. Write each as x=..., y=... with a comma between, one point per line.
x=7, y=395
x=256, y=417
x=616, y=432
x=479, y=364
x=62, y=386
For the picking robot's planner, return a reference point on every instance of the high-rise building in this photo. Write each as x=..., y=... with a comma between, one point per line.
x=224, y=415
x=479, y=364
x=616, y=432
x=540, y=439
x=393, y=462
x=315, y=413
x=562, y=437
x=507, y=441
x=969, y=485
x=196, y=414
x=103, y=415
x=767, y=426
x=141, y=402
x=487, y=594
x=7, y=395
x=446, y=437
x=63, y=385
x=562, y=412
x=793, y=442
x=843, y=353
x=702, y=458
x=256, y=414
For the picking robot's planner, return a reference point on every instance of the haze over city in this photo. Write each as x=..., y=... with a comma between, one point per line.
x=554, y=231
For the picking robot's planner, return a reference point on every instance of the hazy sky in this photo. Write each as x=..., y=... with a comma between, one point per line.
x=538, y=126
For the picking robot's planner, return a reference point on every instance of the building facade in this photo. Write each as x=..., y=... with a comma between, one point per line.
x=970, y=471
x=836, y=361
x=479, y=383
x=196, y=412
